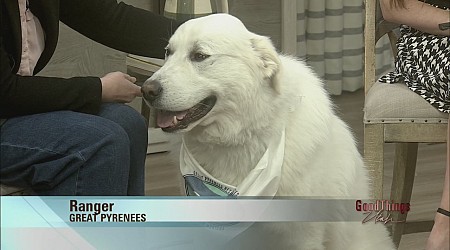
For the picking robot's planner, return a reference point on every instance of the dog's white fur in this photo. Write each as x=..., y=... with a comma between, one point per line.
x=259, y=93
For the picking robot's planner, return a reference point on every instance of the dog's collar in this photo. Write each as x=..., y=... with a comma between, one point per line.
x=263, y=180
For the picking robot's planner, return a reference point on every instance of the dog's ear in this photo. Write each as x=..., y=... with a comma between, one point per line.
x=269, y=57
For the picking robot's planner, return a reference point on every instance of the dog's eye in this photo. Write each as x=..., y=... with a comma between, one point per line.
x=168, y=52
x=198, y=57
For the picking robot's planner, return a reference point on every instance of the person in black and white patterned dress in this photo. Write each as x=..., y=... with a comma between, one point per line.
x=423, y=63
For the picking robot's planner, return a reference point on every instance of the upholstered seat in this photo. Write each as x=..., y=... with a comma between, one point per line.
x=396, y=103
x=8, y=190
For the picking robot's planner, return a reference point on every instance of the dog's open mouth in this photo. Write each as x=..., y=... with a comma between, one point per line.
x=170, y=121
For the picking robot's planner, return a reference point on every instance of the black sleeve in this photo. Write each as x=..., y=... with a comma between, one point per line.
x=21, y=95
x=119, y=26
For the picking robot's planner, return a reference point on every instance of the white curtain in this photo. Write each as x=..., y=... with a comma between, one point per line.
x=330, y=39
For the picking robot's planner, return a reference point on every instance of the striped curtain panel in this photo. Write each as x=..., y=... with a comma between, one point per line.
x=330, y=39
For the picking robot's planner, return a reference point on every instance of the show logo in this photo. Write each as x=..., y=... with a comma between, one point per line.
x=381, y=211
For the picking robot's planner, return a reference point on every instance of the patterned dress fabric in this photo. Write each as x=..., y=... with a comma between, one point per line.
x=423, y=63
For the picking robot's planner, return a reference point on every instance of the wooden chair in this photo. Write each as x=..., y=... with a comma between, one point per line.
x=394, y=114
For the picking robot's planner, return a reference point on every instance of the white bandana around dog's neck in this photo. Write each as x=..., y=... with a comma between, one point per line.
x=263, y=180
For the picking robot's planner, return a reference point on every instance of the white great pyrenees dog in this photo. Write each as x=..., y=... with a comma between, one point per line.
x=234, y=97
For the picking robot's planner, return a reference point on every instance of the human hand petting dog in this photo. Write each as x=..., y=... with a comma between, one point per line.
x=119, y=87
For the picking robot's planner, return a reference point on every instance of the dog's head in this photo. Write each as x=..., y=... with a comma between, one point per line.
x=217, y=76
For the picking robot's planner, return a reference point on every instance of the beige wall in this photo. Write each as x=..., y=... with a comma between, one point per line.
x=260, y=16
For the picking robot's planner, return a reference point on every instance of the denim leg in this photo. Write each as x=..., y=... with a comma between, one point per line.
x=136, y=128
x=65, y=153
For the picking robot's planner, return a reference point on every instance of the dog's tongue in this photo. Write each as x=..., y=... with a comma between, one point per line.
x=164, y=119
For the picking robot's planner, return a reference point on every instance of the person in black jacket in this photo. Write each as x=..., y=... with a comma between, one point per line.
x=74, y=136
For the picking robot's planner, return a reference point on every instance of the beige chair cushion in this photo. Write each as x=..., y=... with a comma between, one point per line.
x=8, y=190
x=396, y=103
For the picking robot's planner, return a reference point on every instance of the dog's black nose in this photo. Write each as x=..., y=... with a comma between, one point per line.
x=151, y=89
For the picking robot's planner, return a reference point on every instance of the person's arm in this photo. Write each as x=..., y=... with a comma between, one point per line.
x=26, y=95
x=418, y=15
x=23, y=95
x=118, y=25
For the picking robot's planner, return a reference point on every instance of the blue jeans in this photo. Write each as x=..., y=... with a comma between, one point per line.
x=70, y=153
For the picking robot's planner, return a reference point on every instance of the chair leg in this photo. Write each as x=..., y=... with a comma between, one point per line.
x=402, y=183
x=373, y=157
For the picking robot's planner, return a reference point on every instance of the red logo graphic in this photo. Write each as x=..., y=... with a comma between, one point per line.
x=381, y=210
